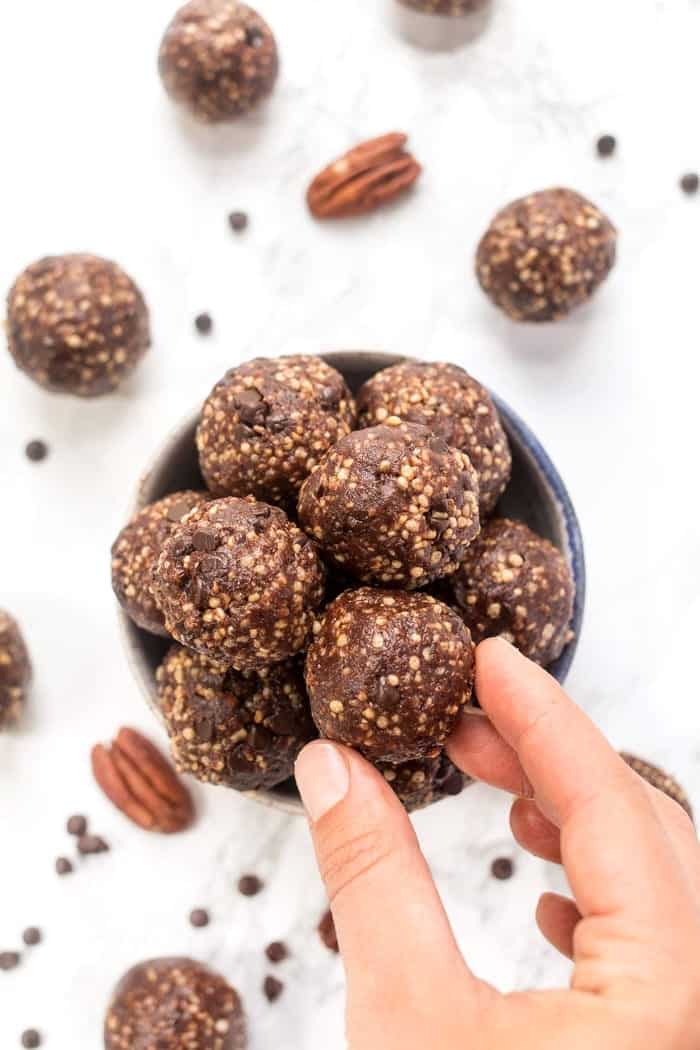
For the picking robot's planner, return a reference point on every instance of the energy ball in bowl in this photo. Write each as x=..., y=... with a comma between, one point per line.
x=15, y=670
x=267, y=424
x=238, y=582
x=516, y=584
x=174, y=1004
x=544, y=254
x=454, y=405
x=243, y=729
x=425, y=780
x=136, y=550
x=393, y=504
x=389, y=673
x=77, y=324
x=218, y=58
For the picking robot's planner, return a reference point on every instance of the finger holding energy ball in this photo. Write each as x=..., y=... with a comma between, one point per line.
x=15, y=671
x=77, y=324
x=218, y=58
x=545, y=254
x=389, y=673
x=238, y=582
x=393, y=504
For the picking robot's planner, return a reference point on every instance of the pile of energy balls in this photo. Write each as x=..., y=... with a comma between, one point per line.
x=336, y=573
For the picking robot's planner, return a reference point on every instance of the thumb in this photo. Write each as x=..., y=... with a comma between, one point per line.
x=395, y=939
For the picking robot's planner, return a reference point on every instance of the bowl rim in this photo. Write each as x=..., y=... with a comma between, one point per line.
x=529, y=445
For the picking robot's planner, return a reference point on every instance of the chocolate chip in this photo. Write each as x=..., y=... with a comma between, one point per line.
x=31, y=1039
x=178, y=510
x=453, y=784
x=238, y=221
x=277, y=952
x=203, y=323
x=36, y=451
x=254, y=38
x=76, y=825
x=250, y=885
x=606, y=145
x=272, y=988
x=389, y=695
x=199, y=917
x=205, y=540
x=690, y=183
x=9, y=960
x=502, y=868
x=31, y=936
x=276, y=424
x=178, y=546
x=250, y=407
x=200, y=592
x=204, y=728
x=326, y=931
x=330, y=397
x=88, y=844
x=63, y=866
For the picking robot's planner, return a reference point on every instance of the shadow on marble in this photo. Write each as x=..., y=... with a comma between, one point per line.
x=223, y=139
x=438, y=32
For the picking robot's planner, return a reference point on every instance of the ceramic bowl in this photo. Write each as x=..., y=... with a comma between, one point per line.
x=536, y=495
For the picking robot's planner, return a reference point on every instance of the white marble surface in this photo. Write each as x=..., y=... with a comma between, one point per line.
x=96, y=159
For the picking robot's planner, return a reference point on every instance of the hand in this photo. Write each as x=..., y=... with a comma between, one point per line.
x=631, y=856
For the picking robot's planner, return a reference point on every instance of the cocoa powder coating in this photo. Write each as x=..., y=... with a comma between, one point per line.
x=388, y=673
x=218, y=58
x=15, y=671
x=545, y=254
x=243, y=729
x=77, y=324
x=454, y=406
x=238, y=582
x=267, y=424
x=515, y=584
x=174, y=1004
x=393, y=504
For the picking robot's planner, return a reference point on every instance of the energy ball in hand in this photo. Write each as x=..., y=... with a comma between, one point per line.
x=218, y=58
x=515, y=584
x=544, y=254
x=136, y=550
x=267, y=424
x=425, y=780
x=393, y=504
x=454, y=405
x=389, y=673
x=238, y=582
x=15, y=671
x=174, y=1004
x=243, y=729
x=77, y=324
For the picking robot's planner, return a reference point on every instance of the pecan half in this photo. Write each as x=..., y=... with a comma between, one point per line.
x=140, y=782
x=369, y=175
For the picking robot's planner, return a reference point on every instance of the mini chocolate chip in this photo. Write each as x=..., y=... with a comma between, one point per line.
x=254, y=38
x=199, y=917
x=31, y=936
x=249, y=885
x=389, y=695
x=205, y=540
x=277, y=951
x=502, y=868
x=690, y=183
x=238, y=761
x=203, y=323
x=204, y=729
x=250, y=407
x=272, y=988
x=260, y=739
x=76, y=825
x=606, y=145
x=200, y=592
x=36, y=451
x=453, y=784
x=88, y=844
x=178, y=546
x=31, y=1039
x=277, y=424
x=326, y=931
x=238, y=220
x=63, y=866
x=330, y=397
x=213, y=564
x=9, y=960
x=178, y=510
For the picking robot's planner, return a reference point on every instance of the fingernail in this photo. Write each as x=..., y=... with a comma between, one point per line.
x=322, y=778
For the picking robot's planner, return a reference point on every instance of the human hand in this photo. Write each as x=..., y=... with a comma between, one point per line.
x=630, y=853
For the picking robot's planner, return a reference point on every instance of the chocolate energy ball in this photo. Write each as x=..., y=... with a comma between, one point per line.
x=238, y=582
x=135, y=552
x=15, y=670
x=77, y=324
x=393, y=504
x=243, y=729
x=218, y=58
x=267, y=424
x=456, y=407
x=174, y=1004
x=516, y=584
x=426, y=780
x=544, y=254
x=660, y=780
x=445, y=7
x=388, y=673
